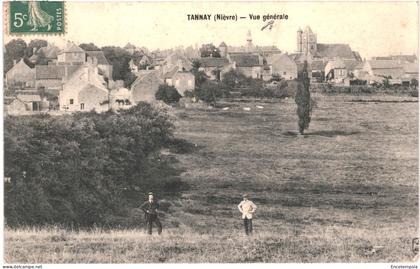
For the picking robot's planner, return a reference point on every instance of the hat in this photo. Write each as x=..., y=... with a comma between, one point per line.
x=150, y=193
x=245, y=196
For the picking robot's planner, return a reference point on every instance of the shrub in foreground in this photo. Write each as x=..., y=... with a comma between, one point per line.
x=168, y=94
x=82, y=169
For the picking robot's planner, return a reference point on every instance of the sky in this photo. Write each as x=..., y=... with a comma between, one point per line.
x=371, y=28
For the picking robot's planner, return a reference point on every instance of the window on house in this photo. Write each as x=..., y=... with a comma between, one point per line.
x=284, y=73
x=71, y=101
x=82, y=106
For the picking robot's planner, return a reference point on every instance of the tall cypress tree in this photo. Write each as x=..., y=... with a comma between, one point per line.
x=303, y=99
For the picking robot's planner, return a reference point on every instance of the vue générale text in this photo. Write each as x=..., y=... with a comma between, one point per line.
x=235, y=17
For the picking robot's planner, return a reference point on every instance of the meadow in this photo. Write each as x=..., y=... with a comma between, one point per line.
x=347, y=191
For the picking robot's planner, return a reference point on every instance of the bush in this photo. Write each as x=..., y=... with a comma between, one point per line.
x=254, y=88
x=283, y=90
x=85, y=168
x=210, y=91
x=189, y=94
x=168, y=94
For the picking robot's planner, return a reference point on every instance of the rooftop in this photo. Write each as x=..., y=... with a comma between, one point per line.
x=29, y=98
x=99, y=55
x=384, y=64
x=245, y=59
x=53, y=71
x=213, y=62
x=335, y=50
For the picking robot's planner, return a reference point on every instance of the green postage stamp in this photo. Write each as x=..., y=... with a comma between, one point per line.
x=31, y=17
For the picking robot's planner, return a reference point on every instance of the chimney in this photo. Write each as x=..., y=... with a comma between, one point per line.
x=86, y=72
x=89, y=60
x=14, y=62
x=66, y=74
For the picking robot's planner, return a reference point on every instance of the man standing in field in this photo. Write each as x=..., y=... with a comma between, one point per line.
x=247, y=208
x=150, y=212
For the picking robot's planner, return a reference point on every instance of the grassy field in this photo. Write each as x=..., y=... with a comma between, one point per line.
x=345, y=192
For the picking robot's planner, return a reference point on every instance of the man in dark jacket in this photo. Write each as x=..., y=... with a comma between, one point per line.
x=150, y=212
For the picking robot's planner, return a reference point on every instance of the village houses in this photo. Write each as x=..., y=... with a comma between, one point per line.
x=83, y=80
x=85, y=90
x=20, y=75
x=377, y=70
x=214, y=68
x=49, y=53
x=336, y=71
x=24, y=104
x=283, y=66
x=145, y=86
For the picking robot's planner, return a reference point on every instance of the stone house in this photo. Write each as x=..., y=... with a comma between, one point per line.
x=85, y=90
x=178, y=59
x=49, y=52
x=20, y=75
x=52, y=77
x=282, y=65
x=183, y=81
x=145, y=86
x=214, y=68
x=335, y=71
x=377, y=70
x=104, y=67
x=71, y=55
x=16, y=107
x=249, y=64
x=168, y=76
x=411, y=70
x=317, y=68
x=24, y=104
x=145, y=60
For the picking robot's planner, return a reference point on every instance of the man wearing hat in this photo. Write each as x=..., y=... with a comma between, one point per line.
x=150, y=212
x=247, y=208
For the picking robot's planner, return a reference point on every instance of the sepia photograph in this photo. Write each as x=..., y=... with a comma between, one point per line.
x=210, y=132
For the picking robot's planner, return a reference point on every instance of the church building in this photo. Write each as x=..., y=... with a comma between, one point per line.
x=309, y=49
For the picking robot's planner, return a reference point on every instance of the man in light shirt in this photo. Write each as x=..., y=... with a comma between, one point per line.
x=247, y=208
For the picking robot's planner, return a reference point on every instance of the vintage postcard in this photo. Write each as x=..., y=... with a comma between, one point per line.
x=210, y=132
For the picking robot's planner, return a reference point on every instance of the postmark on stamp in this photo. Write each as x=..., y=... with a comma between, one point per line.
x=36, y=17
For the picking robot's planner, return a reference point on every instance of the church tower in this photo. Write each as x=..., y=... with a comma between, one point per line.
x=299, y=41
x=309, y=41
x=223, y=50
x=249, y=45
